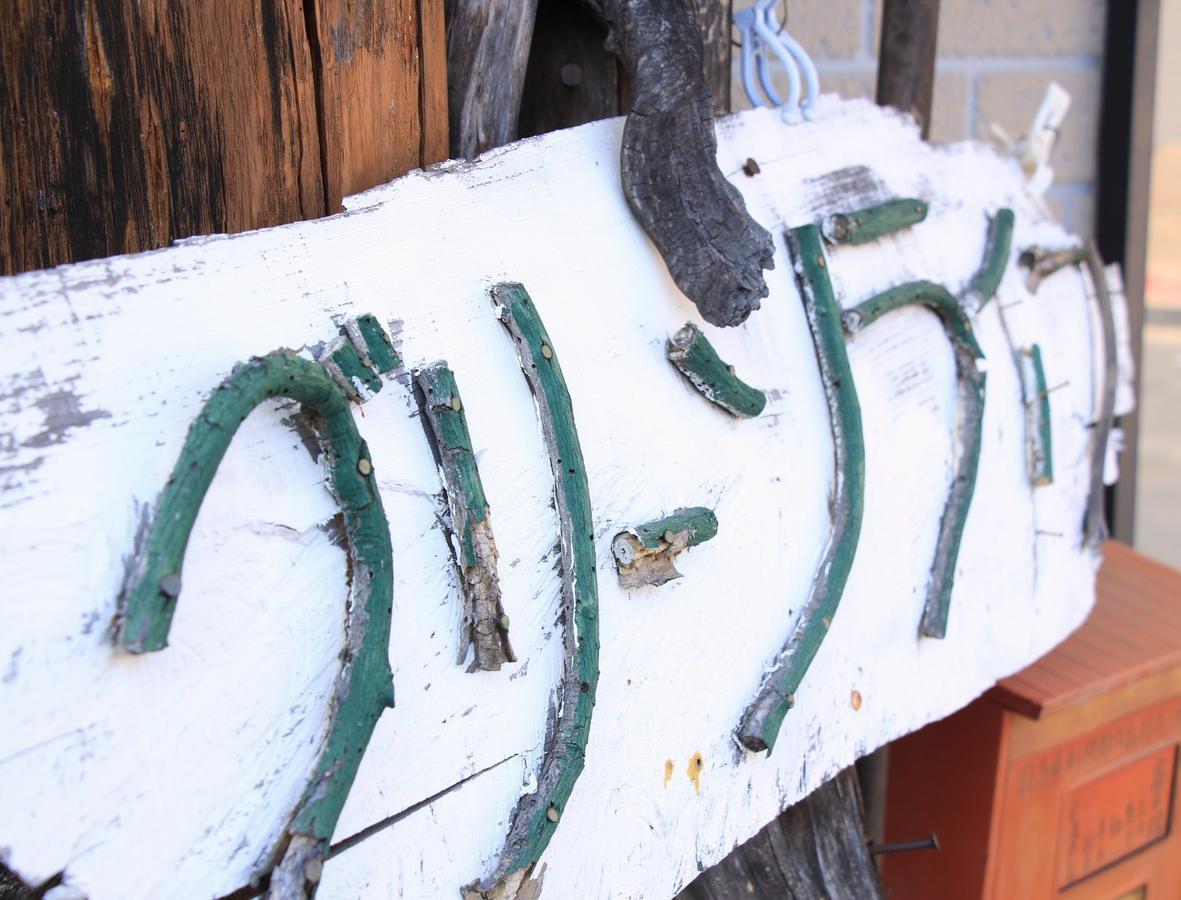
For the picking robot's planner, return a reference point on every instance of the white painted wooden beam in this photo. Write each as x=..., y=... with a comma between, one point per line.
x=171, y=774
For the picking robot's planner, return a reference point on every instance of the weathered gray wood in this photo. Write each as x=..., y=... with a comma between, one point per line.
x=714, y=250
x=572, y=78
x=816, y=849
x=713, y=21
x=906, y=63
x=487, y=52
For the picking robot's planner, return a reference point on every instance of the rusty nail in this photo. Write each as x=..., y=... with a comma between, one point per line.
x=571, y=74
x=364, y=466
x=931, y=843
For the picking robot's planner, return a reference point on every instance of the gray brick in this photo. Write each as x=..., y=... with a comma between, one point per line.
x=1021, y=27
x=829, y=29
x=1010, y=100
x=949, y=108
x=1015, y=27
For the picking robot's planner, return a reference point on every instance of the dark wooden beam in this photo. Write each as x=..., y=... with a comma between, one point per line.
x=1121, y=209
x=906, y=63
x=817, y=848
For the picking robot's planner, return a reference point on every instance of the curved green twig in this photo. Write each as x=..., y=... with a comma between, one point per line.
x=970, y=380
x=365, y=684
x=1095, y=519
x=537, y=814
x=760, y=724
x=869, y=224
x=475, y=548
x=1037, y=416
x=997, y=244
x=694, y=356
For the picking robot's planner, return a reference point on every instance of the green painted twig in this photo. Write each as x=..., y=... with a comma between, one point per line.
x=869, y=224
x=538, y=813
x=644, y=555
x=761, y=722
x=1043, y=263
x=971, y=381
x=1037, y=416
x=692, y=353
x=475, y=547
x=358, y=358
x=1095, y=519
x=997, y=244
x=365, y=685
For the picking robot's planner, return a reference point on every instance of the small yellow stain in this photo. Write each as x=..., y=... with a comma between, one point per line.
x=669, y=765
x=696, y=764
x=855, y=699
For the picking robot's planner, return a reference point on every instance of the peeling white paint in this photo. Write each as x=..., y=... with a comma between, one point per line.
x=169, y=774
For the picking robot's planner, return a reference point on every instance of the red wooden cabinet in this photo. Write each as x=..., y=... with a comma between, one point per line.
x=1063, y=780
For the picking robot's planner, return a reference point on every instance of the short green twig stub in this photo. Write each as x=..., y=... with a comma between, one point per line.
x=694, y=356
x=644, y=554
x=365, y=685
x=1043, y=263
x=1037, y=416
x=970, y=381
x=475, y=546
x=869, y=224
x=358, y=358
x=997, y=244
x=760, y=724
x=538, y=813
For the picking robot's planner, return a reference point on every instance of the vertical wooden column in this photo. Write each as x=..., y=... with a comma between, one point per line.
x=130, y=123
x=906, y=63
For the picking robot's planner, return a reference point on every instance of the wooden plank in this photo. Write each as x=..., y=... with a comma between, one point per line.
x=130, y=125
x=1133, y=632
x=817, y=848
x=370, y=71
x=107, y=363
x=906, y=59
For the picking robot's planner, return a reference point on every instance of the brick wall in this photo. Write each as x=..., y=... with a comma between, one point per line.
x=995, y=59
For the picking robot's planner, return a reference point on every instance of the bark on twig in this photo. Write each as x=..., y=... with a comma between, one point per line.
x=869, y=224
x=970, y=383
x=760, y=724
x=1043, y=263
x=538, y=813
x=694, y=356
x=1095, y=520
x=644, y=555
x=1039, y=439
x=365, y=685
x=471, y=524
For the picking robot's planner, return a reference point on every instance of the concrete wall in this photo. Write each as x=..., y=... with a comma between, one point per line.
x=995, y=59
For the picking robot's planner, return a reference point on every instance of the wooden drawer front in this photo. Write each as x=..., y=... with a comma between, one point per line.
x=1115, y=814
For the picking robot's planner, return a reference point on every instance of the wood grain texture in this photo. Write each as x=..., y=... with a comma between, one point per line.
x=487, y=54
x=906, y=59
x=130, y=125
x=106, y=364
x=816, y=849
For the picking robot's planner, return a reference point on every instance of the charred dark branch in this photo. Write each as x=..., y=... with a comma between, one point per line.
x=698, y=221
